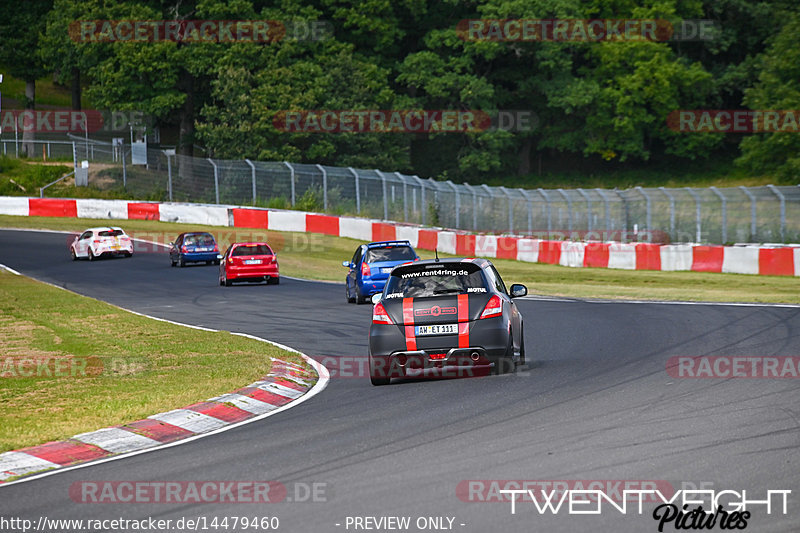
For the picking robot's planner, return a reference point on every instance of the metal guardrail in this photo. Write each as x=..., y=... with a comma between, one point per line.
x=703, y=215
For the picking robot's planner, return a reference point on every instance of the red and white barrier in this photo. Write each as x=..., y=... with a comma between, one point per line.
x=763, y=260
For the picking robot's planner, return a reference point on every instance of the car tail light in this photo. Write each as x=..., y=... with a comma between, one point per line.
x=96, y=241
x=365, y=269
x=379, y=315
x=184, y=249
x=274, y=259
x=494, y=307
x=216, y=248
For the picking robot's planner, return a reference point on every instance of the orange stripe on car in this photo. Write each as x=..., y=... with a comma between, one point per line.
x=463, y=321
x=408, y=320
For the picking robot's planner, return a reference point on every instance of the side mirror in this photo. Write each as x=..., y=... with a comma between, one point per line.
x=518, y=290
x=347, y=264
x=376, y=298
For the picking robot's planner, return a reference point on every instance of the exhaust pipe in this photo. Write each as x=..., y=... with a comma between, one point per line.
x=401, y=360
x=475, y=356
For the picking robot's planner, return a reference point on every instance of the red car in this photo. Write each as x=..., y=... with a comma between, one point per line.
x=249, y=261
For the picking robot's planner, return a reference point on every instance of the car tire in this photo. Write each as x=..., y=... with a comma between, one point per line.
x=374, y=379
x=72, y=253
x=181, y=262
x=505, y=363
x=522, y=349
x=128, y=254
x=209, y=262
x=273, y=281
x=360, y=300
x=228, y=282
x=172, y=263
x=350, y=299
x=92, y=257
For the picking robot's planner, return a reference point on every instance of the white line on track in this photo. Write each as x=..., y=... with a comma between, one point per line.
x=655, y=302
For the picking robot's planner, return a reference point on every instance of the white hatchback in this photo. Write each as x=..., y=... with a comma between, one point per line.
x=96, y=242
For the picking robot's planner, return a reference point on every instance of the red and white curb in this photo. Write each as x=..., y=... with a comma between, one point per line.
x=288, y=384
x=770, y=260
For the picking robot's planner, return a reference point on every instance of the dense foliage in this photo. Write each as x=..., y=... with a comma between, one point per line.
x=604, y=103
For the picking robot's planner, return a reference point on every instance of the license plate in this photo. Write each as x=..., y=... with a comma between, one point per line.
x=437, y=329
x=115, y=247
x=252, y=262
x=202, y=249
x=386, y=270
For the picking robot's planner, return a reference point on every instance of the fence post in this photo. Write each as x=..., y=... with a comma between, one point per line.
x=291, y=177
x=624, y=208
x=569, y=209
x=458, y=203
x=124, y=169
x=724, y=213
x=423, y=206
x=699, y=214
x=671, y=198
x=780, y=196
x=405, y=195
x=168, y=153
x=530, y=210
x=253, y=174
x=607, y=211
x=474, y=206
x=324, y=186
x=385, y=197
x=547, y=207
x=753, y=228
x=358, y=193
x=510, y=209
x=589, y=225
x=648, y=216
x=216, y=178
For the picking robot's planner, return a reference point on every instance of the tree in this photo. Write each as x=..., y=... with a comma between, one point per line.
x=776, y=151
x=20, y=26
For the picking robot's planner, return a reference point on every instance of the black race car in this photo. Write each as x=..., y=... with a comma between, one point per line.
x=445, y=315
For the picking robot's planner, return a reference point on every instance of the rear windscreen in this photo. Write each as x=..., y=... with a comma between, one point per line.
x=393, y=253
x=111, y=233
x=199, y=240
x=256, y=249
x=416, y=281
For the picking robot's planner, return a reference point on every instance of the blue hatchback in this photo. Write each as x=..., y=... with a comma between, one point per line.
x=194, y=247
x=371, y=265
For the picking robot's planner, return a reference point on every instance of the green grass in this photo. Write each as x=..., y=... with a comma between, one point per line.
x=48, y=92
x=320, y=257
x=716, y=171
x=19, y=178
x=134, y=366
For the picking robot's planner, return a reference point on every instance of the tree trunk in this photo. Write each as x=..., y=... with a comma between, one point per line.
x=524, y=167
x=186, y=136
x=28, y=133
x=75, y=88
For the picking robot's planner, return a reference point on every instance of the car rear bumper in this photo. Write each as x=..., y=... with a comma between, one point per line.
x=487, y=342
x=124, y=249
x=191, y=257
x=370, y=287
x=252, y=272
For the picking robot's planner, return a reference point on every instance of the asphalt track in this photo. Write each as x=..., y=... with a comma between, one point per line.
x=596, y=404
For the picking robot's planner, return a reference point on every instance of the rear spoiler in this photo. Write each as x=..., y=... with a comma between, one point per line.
x=388, y=243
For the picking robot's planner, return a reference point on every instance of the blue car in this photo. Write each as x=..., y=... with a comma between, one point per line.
x=371, y=265
x=194, y=247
